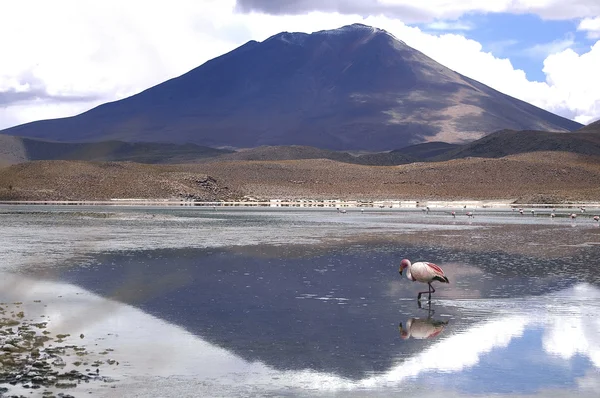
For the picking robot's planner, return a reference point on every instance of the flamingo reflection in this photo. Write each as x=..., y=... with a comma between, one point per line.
x=420, y=329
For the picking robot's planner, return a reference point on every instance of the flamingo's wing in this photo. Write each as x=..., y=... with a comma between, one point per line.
x=437, y=330
x=435, y=269
x=437, y=273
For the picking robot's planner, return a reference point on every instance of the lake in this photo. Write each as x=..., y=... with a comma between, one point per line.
x=179, y=302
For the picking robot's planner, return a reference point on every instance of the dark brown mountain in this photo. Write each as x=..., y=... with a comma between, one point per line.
x=426, y=151
x=297, y=152
x=18, y=149
x=509, y=142
x=591, y=128
x=353, y=88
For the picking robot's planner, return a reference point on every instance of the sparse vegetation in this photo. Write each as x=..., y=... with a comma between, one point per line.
x=556, y=175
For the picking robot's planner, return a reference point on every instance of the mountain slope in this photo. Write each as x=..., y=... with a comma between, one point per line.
x=353, y=88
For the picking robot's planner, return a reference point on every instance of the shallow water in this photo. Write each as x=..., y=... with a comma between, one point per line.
x=309, y=302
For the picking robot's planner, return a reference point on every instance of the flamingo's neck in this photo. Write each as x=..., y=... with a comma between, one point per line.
x=408, y=274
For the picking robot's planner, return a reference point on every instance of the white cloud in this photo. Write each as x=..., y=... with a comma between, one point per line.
x=591, y=26
x=427, y=11
x=574, y=83
x=108, y=49
x=103, y=51
x=449, y=25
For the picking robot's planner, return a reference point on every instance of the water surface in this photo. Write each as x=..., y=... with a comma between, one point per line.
x=309, y=302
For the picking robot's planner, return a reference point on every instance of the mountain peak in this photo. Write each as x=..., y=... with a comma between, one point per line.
x=353, y=30
x=357, y=28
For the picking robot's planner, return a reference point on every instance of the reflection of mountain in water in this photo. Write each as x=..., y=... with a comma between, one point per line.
x=544, y=346
x=334, y=313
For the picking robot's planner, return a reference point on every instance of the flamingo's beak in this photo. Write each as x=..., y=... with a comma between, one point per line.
x=400, y=271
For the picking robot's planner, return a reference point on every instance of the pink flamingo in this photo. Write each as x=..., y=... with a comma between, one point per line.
x=596, y=218
x=425, y=273
x=573, y=216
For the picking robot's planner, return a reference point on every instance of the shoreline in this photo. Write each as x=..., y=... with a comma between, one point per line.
x=306, y=203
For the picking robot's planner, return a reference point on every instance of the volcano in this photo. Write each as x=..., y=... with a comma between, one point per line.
x=352, y=88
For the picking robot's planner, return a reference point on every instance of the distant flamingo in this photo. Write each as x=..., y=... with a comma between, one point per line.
x=470, y=214
x=453, y=214
x=573, y=216
x=533, y=212
x=596, y=218
x=552, y=215
x=423, y=272
x=421, y=328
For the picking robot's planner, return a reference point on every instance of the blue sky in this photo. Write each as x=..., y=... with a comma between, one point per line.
x=64, y=57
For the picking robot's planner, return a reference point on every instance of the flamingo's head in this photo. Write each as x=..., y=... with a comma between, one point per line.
x=403, y=332
x=403, y=264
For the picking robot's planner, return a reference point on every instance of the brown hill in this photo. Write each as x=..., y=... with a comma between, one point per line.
x=544, y=176
x=352, y=88
x=12, y=150
x=78, y=180
x=537, y=177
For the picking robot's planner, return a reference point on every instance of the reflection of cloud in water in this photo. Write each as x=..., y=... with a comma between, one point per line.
x=455, y=353
x=154, y=349
x=579, y=331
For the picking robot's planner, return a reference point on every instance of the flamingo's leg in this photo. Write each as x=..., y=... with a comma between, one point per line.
x=428, y=292
x=431, y=290
x=430, y=311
